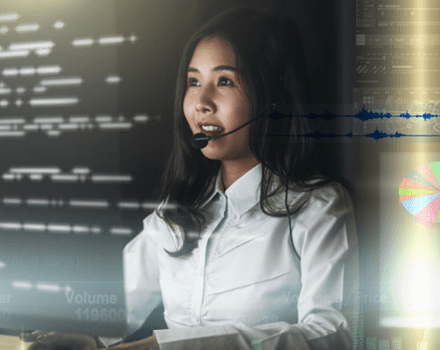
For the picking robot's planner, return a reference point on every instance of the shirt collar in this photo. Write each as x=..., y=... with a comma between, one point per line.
x=213, y=193
x=243, y=194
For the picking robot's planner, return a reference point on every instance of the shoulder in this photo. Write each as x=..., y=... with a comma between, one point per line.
x=328, y=203
x=333, y=193
x=326, y=222
x=329, y=210
x=155, y=231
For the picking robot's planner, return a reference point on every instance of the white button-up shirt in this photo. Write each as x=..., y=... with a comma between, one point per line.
x=244, y=287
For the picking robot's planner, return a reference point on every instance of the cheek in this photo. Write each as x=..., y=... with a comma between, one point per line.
x=187, y=112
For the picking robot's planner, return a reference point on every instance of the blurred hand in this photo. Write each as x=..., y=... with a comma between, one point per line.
x=43, y=340
x=149, y=343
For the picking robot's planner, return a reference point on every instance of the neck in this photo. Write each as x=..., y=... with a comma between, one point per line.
x=232, y=170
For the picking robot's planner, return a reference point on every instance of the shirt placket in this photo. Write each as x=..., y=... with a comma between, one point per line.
x=199, y=287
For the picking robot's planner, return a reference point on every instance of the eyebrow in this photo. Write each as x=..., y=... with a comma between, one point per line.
x=222, y=67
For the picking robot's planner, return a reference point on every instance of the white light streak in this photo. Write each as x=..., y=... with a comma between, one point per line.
x=38, y=201
x=8, y=177
x=55, y=202
x=2, y=264
x=26, y=170
x=49, y=120
x=81, y=170
x=4, y=103
x=36, y=177
x=149, y=205
x=59, y=25
x=18, y=102
x=96, y=230
x=10, y=72
x=33, y=45
x=10, y=225
x=39, y=89
x=112, y=178
x=57, y=82
x=21, y=285
x=59, y=228
x=34, y=227
x=154, y=205
x=111, y=40
x=82, y=42
x=36, y=102
x=4, y=30
x=116, y=126
x=129, y=205
x=93, y=204
x=141, y=118
x=48, y=287
x=65, y=178
x=27, y=28
x=43, y=52
x=80, y=229
x=103, y=119
x=120, y=231
x=6, y=17
x=113, y=79
x=27, y=71
x=133, y=38
x=13, y=54
x=21, y=90
x=30, y=127
x=12, y=133
x=48, y=70
x=5, y=127
x=11, y=201
x=5, y=91
x=12, y=121
x=79, y=119
x=68, y=126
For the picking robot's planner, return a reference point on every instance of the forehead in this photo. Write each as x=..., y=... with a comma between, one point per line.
x=212, y=52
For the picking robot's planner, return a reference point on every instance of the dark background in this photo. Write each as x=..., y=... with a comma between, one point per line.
x=148, y=69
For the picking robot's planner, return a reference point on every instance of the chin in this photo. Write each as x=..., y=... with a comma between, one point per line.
x=211, y=154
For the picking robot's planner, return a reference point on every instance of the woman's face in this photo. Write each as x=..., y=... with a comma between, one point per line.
x=215, y=101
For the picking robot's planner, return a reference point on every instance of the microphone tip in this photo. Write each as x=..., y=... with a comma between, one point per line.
x=199, y=140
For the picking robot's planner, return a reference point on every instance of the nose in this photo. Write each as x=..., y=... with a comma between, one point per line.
x=205, y=100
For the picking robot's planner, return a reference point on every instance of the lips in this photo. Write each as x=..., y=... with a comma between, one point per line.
x=209, y=128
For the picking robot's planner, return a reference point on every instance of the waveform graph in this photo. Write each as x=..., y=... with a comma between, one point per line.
x=419, y=194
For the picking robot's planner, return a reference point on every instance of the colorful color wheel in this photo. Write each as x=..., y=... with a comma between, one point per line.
x=420, y=193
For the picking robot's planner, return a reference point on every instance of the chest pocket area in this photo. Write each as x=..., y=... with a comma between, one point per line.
x=178, y=272
x=252, y=254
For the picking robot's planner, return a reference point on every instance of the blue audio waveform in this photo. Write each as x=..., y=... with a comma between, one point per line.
x=362, y=115
x=365, y=115
x=377, y=135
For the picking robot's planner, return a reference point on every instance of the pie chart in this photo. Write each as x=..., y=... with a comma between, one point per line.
x=419, y=193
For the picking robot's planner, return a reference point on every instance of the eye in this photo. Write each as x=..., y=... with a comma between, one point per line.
x=223, y=81
x=193, y=82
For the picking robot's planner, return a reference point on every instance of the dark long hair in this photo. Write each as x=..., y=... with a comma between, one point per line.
x=269, y=55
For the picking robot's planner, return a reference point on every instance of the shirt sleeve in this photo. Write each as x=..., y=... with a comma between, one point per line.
x=324, y=234
x=141, y=275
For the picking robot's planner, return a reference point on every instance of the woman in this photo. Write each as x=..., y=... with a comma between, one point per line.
x=251, y=247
